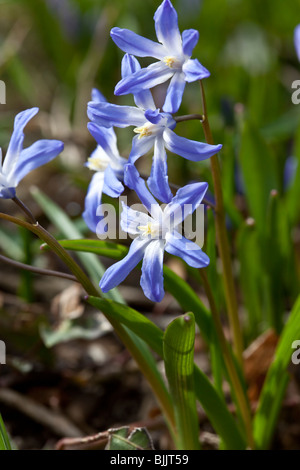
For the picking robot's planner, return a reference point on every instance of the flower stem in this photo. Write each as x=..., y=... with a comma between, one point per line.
x=222, y=240
x=232, y=372
x=25, y=209
x=190, y=117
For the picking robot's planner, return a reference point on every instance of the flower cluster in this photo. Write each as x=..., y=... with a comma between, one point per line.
x=154, y=129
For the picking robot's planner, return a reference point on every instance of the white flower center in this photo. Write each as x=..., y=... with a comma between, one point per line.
x=99, y=160
x=151, y=229
x=145, y=131
x=172, y=62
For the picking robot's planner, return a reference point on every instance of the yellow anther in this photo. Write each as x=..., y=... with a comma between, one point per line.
x=144, y=131
x=172, y=62
x=148, y=229
x=97, y=163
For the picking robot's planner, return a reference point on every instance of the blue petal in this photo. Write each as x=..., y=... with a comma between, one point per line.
x=166, y=26
x=152, y=279
x=174, y=93
x=112, y=186
x=114, y=275
x=133, y=180
x=109, y=115
x=137, y=45
x=17, y=138
x=158, y=180
x=140, y=146
x=162, y=119
x=193, y=70
x=186, y=200
x=39, y=153
x=131, y=65
x=7, y=193
x=297, y=40
x=97, y=96
x=189, y=149
x=144, y=79
x=106, y=138
x=153, y=116
x=92, y=213
x=190, y=38
x=187, y=250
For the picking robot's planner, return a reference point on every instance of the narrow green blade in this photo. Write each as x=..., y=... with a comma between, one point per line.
x=276, y=381
x=215, y=408
x=4, y=439
x=178, y=348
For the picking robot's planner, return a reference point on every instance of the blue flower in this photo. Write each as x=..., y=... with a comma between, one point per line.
x=173, y=52
x=156, y=233
x=297, y=40
x=109, y=167
x=18, y=161
x=153, y=129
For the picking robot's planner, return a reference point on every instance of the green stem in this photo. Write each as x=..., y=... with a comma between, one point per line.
x=25, y=209
x=189, y=117
x=222, y=240
x=232, y=372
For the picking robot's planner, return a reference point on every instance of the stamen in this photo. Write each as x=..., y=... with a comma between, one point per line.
x=144, y=131
x=172, y=62
x=97, y=163
x=149, y=229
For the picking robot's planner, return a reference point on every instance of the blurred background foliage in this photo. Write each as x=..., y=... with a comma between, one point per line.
x=52, y=52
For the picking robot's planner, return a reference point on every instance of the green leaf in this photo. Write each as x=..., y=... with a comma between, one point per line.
x=62, y=222
x=189, y=301
x=249, y=255
x=215, y=408
x=98, y=247
x=178, y=349
x=293, y=192
x=273, y=261
x=4, y=439
x=276, y=381
x=123, y=439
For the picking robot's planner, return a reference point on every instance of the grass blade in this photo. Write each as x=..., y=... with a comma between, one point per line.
x=276, y=381
x=4, y=439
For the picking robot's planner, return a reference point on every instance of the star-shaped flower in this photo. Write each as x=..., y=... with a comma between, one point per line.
x=173, y=52
x=19, y=162
x=156, y=233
